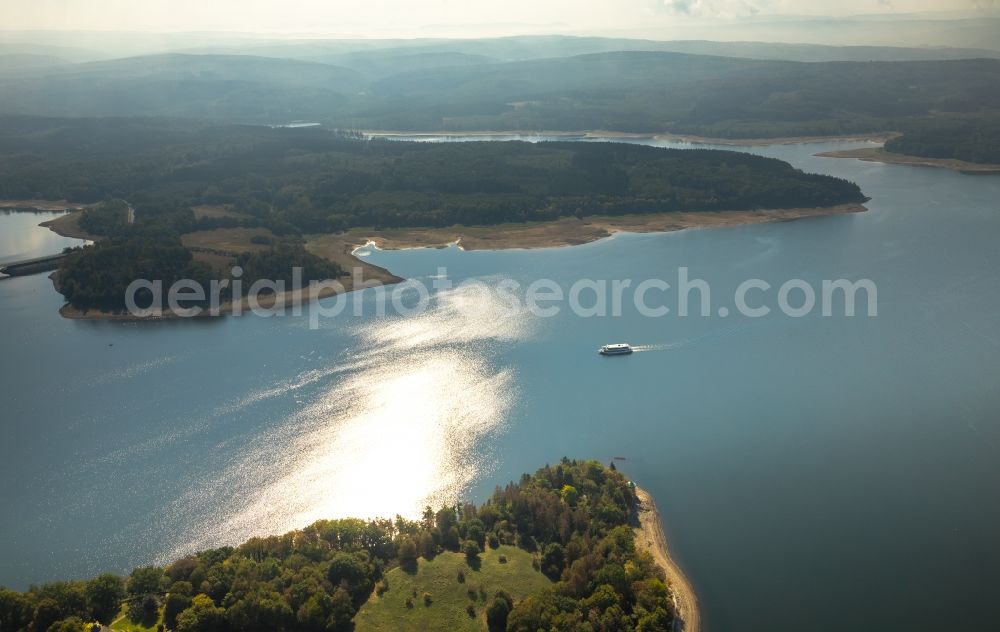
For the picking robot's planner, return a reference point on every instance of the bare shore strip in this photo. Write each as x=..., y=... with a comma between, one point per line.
x=879, y=154
x=876, y=137
x=650, y=536
x=68, y=225
x=566, y=231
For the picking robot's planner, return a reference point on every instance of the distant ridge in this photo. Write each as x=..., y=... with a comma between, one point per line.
x=20, y=63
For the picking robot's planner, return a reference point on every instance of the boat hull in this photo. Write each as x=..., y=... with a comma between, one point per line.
x=615, y=353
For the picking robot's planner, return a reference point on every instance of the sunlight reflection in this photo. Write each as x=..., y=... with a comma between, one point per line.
x=400, y=428
x=464, y=315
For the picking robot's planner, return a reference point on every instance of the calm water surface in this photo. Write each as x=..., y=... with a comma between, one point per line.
x=811, y=471
x=22, y=238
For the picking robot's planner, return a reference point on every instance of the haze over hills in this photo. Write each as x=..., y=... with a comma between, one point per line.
x=633, y=91
x=155, y=27
x=385, y=57
x=84, y=47
x=518, y=48
x=26, y=63
x=232, y=87
x=870, y=30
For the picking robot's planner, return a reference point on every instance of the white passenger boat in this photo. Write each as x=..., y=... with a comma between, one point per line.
x=620, y=348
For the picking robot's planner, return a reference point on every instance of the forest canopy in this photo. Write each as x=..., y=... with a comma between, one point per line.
x=317, y=180
x=573, y=518
x=968, y=139
x=290, y=182
x=646, y=91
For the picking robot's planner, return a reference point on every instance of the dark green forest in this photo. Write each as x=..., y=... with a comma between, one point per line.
x=313, y=180
x=316, y=180
x=573, y=517
x=969, y=139
x=664, y=92
x=96, y=276
x=644, y=91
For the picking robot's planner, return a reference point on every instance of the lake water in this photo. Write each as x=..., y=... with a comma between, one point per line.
x=813, y=472
x=21, y=237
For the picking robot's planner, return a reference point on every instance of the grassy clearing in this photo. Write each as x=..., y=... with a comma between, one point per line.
x=214, y=211
x=126, y=624
x=439, y=577
x=68, y=225
x=227, y=240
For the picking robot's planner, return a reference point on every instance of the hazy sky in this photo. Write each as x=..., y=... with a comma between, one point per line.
x=424, y=17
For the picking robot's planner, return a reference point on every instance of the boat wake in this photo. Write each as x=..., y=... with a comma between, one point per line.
x=705, y=338
x=659, y=347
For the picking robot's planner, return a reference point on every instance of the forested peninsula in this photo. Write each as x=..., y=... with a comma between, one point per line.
x=562, y=549
x=195, y=187
x=967, y=143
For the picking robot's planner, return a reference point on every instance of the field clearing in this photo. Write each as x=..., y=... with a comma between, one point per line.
x=232, y=241
x=127, y=624
x=449, y=598
x=215, y=211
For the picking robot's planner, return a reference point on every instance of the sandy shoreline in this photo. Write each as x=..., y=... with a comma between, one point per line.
x=879, y=154
x=567, y=231
x=650, y=536
x=46, y=206
x=69, y=226
x=877, y=137
x=572, y=231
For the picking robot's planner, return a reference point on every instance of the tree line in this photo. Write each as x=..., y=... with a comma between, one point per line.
x=318, y=180
x=97, y=275
x=573, y=517
x=626, y=90
x=972, y=139
x=314, y=180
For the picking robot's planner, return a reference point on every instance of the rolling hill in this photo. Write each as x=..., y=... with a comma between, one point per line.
x=421, y=88
x=197, y=86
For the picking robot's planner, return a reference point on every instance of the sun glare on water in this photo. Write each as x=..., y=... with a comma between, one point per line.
x=402, y=427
